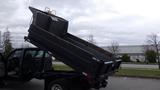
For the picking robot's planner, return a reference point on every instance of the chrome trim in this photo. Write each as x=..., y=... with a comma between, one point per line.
x=109, y=62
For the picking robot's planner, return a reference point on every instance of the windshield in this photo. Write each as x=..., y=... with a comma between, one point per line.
x=37, y=53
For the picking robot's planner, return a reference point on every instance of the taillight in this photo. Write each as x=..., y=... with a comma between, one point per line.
x=88, y=78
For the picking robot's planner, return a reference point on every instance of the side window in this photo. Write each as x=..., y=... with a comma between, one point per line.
x=39, y=54
x=32, y=52
x=47, y=54
x=35, y=53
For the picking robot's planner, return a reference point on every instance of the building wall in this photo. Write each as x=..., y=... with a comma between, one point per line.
x=135, y=52
x=138, y=57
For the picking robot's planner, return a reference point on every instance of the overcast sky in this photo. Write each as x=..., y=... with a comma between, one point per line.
x=125, y=21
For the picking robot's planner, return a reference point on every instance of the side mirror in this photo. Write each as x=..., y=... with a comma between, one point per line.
x=1, y=58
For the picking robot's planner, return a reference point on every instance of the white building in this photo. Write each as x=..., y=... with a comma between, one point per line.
x=134, y=51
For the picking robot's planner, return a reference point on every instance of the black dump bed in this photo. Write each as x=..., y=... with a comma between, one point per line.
x=49, y=32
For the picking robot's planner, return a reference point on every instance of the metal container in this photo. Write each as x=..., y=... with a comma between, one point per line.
x=49, y=32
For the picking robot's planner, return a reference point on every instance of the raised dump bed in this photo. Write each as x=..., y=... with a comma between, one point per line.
x=49, y=32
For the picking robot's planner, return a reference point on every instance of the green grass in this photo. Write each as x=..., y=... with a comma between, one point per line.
x=155, y=73
x=62, y=67
x=131, y=72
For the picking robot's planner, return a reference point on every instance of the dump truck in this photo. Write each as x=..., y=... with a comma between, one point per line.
x=91, y=65
x=49, y=32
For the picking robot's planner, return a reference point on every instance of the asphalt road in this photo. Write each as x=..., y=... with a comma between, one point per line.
x=115, y=83
x=124, y=83
x=146, y=66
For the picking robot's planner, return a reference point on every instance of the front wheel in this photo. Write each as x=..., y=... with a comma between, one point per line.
x=60, y=84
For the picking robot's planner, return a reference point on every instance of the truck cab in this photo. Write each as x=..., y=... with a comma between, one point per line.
x=23, y=63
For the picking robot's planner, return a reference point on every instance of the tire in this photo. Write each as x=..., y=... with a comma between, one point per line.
x=60, y=84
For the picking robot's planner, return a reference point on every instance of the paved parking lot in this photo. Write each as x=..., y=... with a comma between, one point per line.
x=115, y=83
x=124, y=83
x=146, y=66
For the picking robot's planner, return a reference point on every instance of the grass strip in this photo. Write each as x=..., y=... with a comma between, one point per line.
x=130, y=72
x=62, y=67
x=150, y=73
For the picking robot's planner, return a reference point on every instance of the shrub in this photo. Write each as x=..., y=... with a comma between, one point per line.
x=151, y=56
x=126, y=58
x=137, y=60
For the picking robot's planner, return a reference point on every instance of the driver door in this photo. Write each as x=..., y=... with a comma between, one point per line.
x=2, y=67
x=13, y=62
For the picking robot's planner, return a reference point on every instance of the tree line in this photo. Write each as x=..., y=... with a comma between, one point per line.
x=151, y=50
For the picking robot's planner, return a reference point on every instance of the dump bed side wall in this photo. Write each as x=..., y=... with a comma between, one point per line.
x=90, y=45
x=70, y=54
x=50, y=32
x=95, y=50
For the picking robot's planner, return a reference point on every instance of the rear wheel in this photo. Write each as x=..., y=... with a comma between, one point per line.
x=60, y=84
x=56, y=87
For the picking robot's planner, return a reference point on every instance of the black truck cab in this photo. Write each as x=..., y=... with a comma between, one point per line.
x=25, y=64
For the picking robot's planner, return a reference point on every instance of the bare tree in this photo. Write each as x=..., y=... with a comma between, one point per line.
x=145, y=48
x=7, y=45
x=114, y=48
x=154, y=41
x=91, y=39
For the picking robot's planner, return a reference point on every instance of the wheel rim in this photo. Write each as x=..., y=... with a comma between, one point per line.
x=56, y=87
